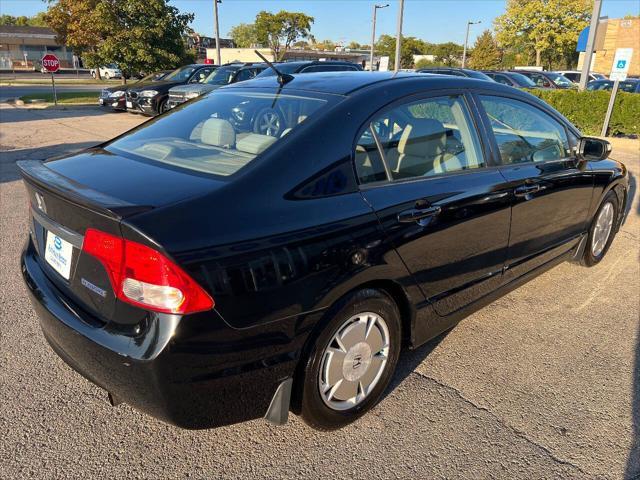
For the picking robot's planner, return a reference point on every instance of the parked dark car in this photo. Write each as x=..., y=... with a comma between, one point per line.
x=151, y=98
x=312, y=66
x=207, y=275
x=549, y=80
x=513, y=79
x=114, y=97
x=456, y=72
x=630, y=85
x=223, y=75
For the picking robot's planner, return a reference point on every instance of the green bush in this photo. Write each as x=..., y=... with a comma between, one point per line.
x=586, y=110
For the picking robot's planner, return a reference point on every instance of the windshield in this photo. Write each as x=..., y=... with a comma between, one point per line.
x=153, y=77
x=180, y=75
x=560, y=80
x=522, y=80
x=222, y=132
x=221, y=76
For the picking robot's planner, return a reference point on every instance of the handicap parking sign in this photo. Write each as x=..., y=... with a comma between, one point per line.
x=621, y=64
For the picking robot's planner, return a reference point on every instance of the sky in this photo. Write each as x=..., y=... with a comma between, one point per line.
x=346, y=20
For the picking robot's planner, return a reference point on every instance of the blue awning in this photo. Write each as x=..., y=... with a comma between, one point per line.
x=582, y=40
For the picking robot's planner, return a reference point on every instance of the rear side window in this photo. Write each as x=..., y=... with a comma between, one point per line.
x=222, y=132
x=525, y=133
x=420, y=139
x=501, y=79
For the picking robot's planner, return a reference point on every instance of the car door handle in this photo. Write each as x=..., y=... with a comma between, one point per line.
x=417, y=214
x=524, y=190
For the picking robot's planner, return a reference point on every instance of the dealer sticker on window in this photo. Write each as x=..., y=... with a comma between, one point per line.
x=58, y=253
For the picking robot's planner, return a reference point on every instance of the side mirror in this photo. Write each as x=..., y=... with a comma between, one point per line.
x=593, y=149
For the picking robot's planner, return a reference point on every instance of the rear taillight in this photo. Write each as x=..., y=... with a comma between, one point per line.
x=144, y=277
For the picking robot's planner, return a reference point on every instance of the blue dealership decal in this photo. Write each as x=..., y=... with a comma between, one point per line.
x=58, y=243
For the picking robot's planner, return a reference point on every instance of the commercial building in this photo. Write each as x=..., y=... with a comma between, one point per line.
x=229, y=55
x=612, y=34
x=22, y=48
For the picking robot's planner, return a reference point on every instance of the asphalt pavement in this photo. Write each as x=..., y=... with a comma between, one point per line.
x=543, y=383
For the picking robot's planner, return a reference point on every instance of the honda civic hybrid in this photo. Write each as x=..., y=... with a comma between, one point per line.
x=207, y=273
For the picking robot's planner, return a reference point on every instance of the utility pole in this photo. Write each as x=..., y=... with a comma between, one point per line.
x=591, y=40
x=399, y=35
x=466, y=42
x=215, y=14
x=373, y=33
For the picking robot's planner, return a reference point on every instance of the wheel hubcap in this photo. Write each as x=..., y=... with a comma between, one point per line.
x=269, y=124
x=354, y=360
x=602, y=229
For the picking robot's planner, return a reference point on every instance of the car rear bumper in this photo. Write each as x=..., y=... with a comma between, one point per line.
x=193, y=379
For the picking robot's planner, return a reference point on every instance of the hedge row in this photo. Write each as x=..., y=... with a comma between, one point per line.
x=586, y=110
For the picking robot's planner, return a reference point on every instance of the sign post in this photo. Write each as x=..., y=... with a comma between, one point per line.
x=51, y=64
x=621, y=64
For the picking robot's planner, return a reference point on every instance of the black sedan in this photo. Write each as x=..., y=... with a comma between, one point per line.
x=513, y=79
x=114, y=97
x=456, y=72
x=151, y=98
x=207, y=274
x=548, y=80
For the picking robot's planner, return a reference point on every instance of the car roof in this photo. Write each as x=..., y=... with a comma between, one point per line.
x=344, y=83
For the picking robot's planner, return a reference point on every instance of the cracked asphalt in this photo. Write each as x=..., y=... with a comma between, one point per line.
x=543, y=383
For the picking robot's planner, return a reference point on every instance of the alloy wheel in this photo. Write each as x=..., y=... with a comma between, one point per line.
x=354, y=361
x=602, y=229
x=269, y=124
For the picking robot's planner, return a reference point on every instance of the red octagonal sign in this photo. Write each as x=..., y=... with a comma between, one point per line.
x=51, y=63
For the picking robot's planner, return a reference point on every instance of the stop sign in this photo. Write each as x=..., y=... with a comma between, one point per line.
x=51, y=63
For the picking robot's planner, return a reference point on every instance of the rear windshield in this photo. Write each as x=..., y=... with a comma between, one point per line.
x=522, y=80
x=221, y=132
x=282, y=68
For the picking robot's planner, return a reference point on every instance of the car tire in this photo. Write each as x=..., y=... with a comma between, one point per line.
x=602, y=230
x=106, y=75
x=268, y=121
x=350, y=356
x=93, y=74
x=162, y=106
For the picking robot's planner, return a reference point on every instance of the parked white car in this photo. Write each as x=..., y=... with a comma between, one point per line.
x=107, y=72
x=574, y=75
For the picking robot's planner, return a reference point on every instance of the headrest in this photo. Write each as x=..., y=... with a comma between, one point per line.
x=218, y=132
x=424, y=137
x=254, y=143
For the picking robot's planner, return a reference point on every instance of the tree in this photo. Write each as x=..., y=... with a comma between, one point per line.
x=325, y=45
x=448, y=54
x=38, y=20
x=486, y=54
x=138, y=35
x=244, y=35
x=280, y=30
x=386, y=46
x=354, y=45
x=548, y=28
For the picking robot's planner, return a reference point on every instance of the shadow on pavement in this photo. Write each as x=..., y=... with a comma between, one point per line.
x=633, y=462
x=8, y=158
x=409, y=361
x=15, y=115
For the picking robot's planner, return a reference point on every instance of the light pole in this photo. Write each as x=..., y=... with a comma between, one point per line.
x=466, y=41
x=373, y=33
x=399, y=35
x=215, y=14
x=591, y=40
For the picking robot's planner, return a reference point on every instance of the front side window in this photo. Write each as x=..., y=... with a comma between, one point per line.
x=420, y=139
x=501, y=79
x=221, y=76
x=220, y=133
x=525, y=133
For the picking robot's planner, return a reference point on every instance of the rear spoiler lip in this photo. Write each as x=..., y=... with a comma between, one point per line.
x=37, y=173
